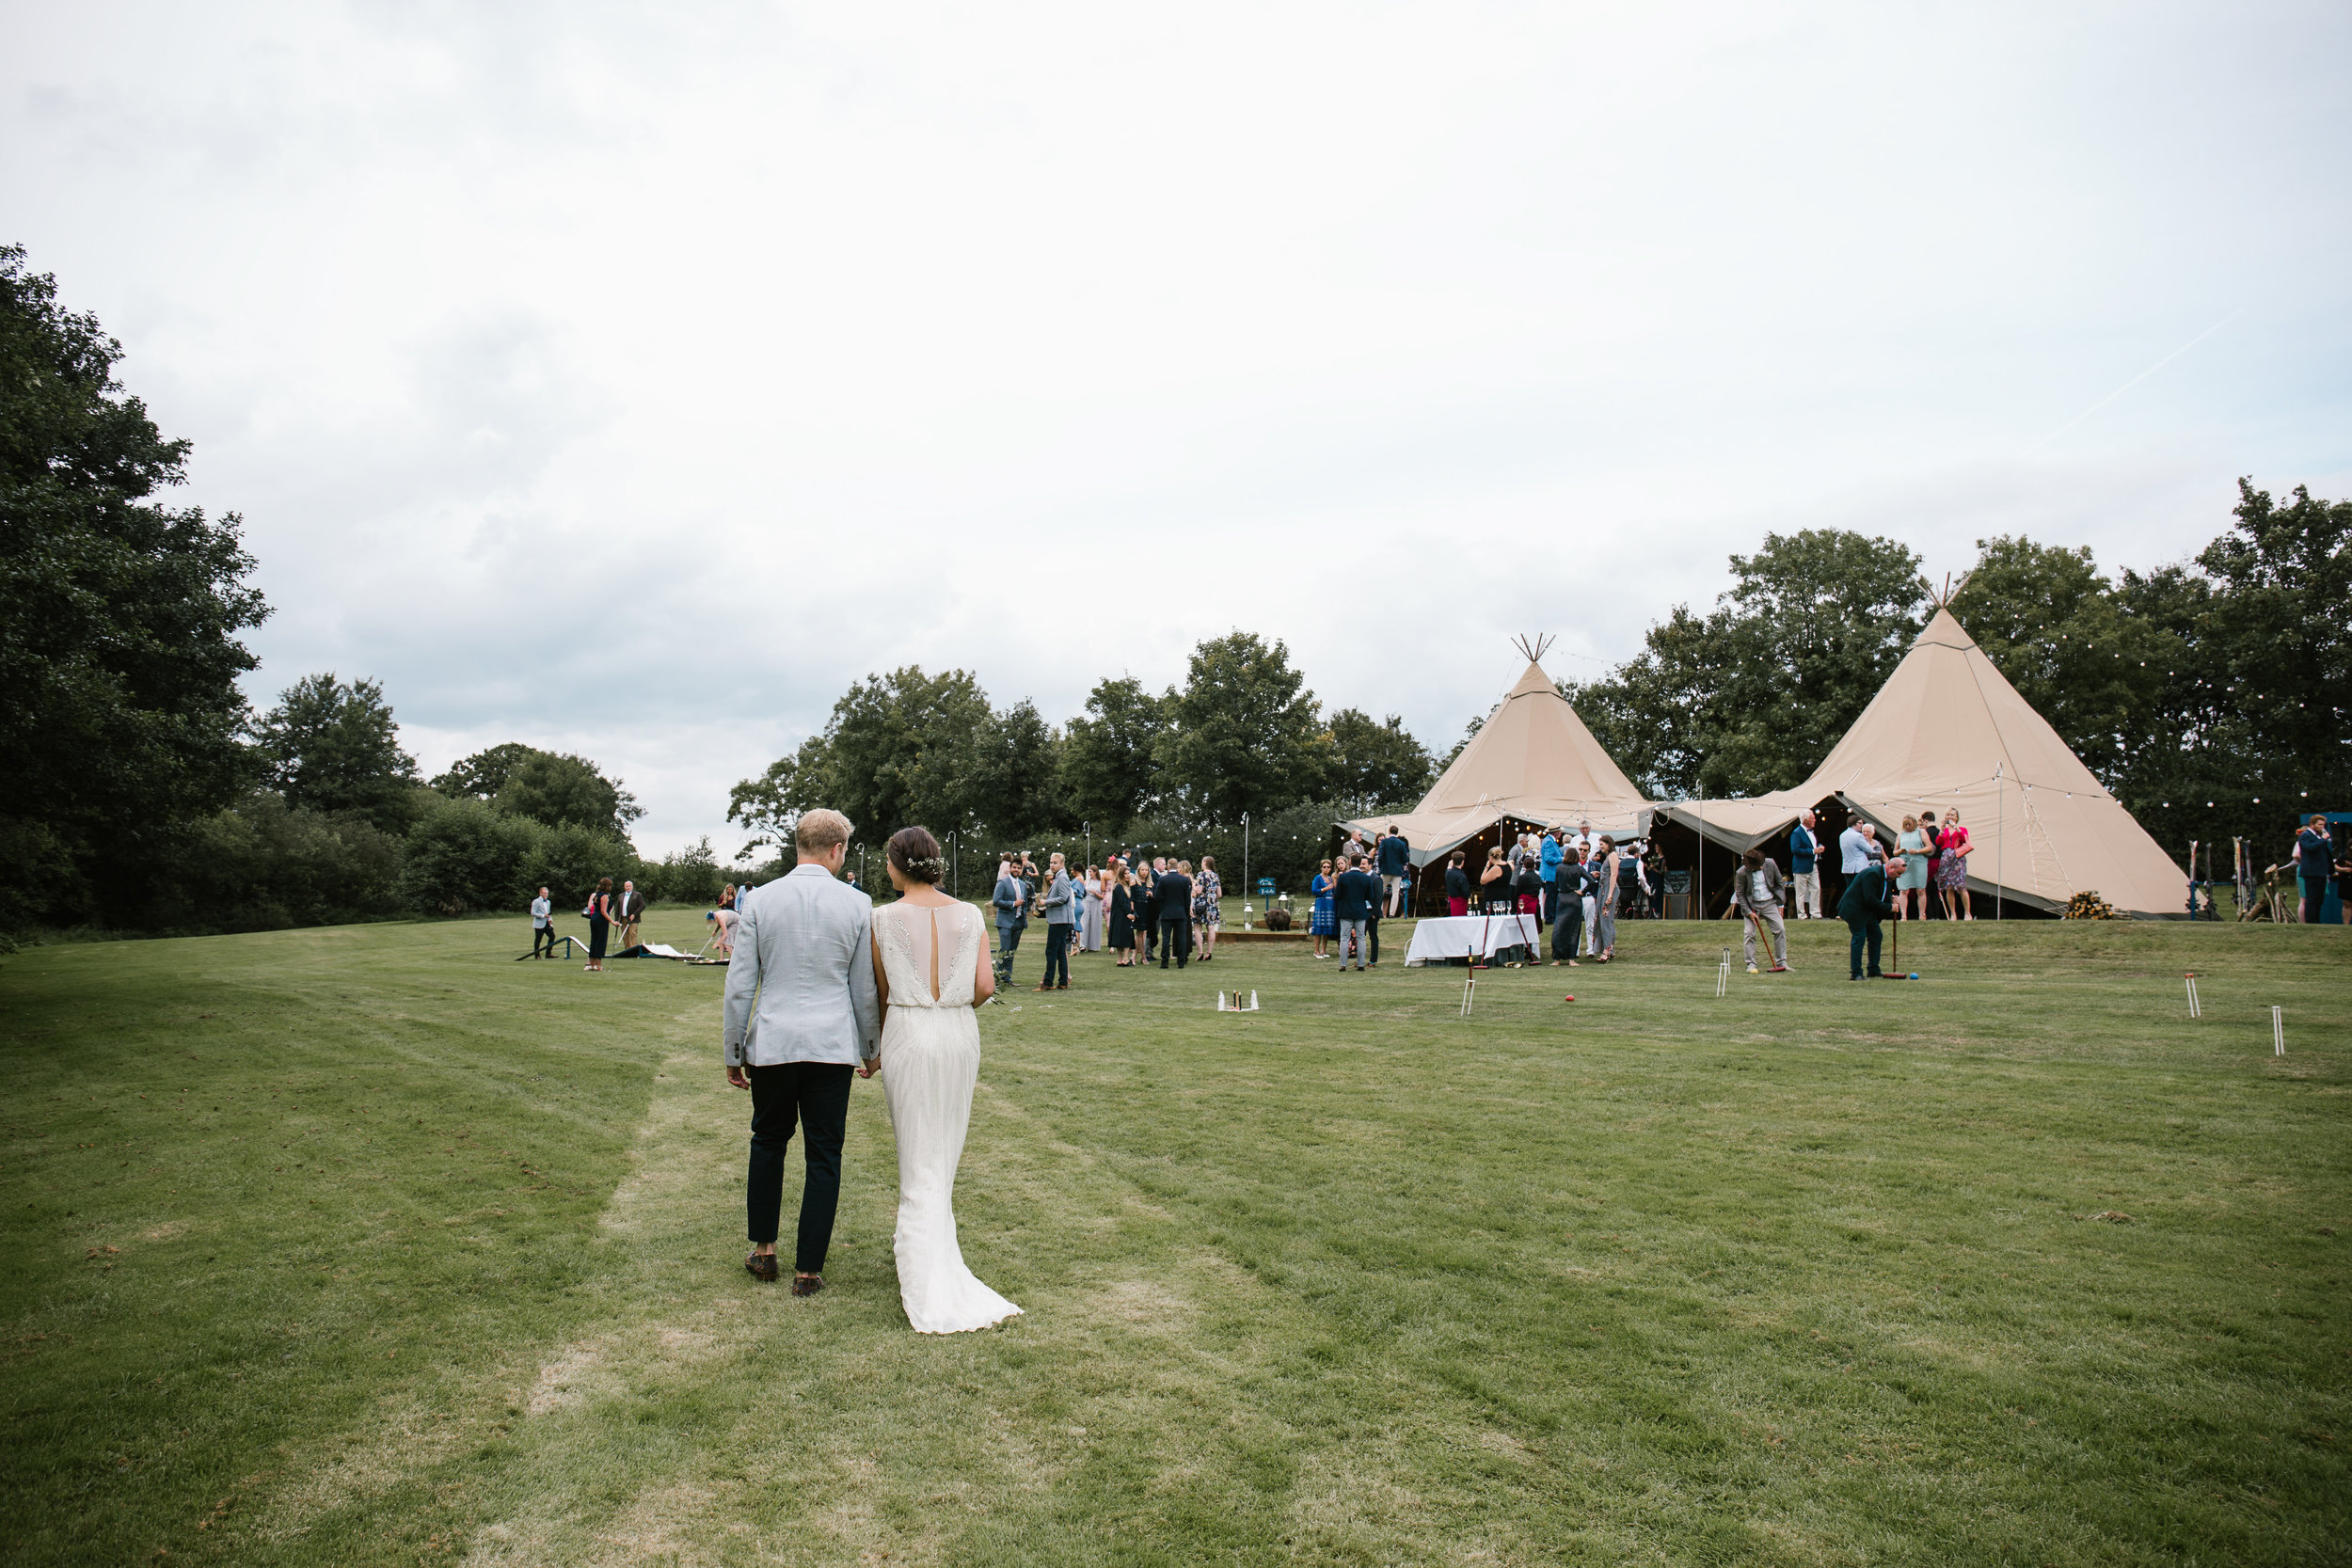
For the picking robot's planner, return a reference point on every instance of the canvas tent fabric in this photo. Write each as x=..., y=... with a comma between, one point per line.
x=1533, y=761
x=1948, y=730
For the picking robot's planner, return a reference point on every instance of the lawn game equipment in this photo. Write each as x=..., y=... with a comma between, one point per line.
x=1470, y=991
x=569, y=945
x=2196, y=1008
x=1231, y=1002
x=1723, y=974
x=2277, y=1033
x=2211, y=910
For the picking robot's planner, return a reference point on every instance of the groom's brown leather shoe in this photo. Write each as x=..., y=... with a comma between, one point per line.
x=761, y=1265
x=808, y=1284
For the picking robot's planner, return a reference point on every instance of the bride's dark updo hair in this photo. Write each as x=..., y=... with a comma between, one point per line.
x=915, y=853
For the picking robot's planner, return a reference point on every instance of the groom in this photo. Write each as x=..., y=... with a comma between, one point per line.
x=802, y=1014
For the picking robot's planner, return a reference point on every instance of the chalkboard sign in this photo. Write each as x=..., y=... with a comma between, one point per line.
x=1266, y=887
x=1677, y=881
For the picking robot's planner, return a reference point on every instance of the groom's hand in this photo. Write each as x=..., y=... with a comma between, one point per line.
x=871, y=1066
x=736, y=1079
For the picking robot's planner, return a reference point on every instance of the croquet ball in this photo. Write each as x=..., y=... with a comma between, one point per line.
x=1567, y=999
x=1914, y=974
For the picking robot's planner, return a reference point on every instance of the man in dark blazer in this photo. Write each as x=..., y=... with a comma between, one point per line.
x=627, y=909
x=1356, y=894
x=1172, y=902
x=1869, y=899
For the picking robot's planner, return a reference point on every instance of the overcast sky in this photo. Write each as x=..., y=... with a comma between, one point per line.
x=630, y=379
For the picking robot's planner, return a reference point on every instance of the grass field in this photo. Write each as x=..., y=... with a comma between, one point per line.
x=369, y=1245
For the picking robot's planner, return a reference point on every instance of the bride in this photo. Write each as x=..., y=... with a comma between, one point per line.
x=931, y=968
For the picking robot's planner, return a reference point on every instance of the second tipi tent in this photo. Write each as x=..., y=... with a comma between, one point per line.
x=1948, y=730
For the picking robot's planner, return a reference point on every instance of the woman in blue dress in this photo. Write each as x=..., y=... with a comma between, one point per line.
x=1321, y=926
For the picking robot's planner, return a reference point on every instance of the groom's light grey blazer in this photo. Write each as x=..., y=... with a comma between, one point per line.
x=801, y=985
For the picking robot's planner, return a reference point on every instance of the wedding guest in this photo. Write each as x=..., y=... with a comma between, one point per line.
x=1554, y=851
x=1096, y=889
x=1802, y=848
x=543, y=925
x=1934, y=857
x=1495, y=890
x=1853, y=847
x=1353, y=900
x=722, y=925
x=1529, y=879
x=1605, y=900
x=1568, y=929
x=1755, y=894
x=1588, y=845
x=1147, y=900
x=1911, y=890
x=1208, y=906
x=1951, y=868
x=599, y=924
x=1869, y=899
x=1008, y=900
x=1353, y=847
x=1174, y=902
x=1062, y=919
x=2315, y=863
x=1458, y=885
x=1122, y=917
x=627, y=909
x=1396, y=860
x=1322, y=923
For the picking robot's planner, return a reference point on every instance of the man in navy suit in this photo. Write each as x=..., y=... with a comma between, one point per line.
x=1356, y=894
x=1173, y=900
x=1869, y=899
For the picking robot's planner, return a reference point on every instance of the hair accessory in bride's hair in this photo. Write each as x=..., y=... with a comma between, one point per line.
x=915, y=851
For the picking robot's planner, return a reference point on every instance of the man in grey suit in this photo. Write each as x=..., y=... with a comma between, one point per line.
x=802, y=1015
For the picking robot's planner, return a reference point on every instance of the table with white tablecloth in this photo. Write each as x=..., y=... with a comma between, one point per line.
x=1472, y=936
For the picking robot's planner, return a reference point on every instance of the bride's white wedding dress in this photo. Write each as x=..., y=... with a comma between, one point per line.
x=930, y=1057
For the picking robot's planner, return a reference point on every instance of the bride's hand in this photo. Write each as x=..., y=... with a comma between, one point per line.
x=870, y=1066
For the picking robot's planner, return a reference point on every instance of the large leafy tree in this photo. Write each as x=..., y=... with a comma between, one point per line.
x=1751, y=696
x=1244, y=734
x=2254, y=720
x=1015, y=782
x=118, y=619
x=558, y=789
x=898, y=748
x=332, y=745
x=2059, y=634
x=1108, y=769
x=1376, y=762
x=482, y=775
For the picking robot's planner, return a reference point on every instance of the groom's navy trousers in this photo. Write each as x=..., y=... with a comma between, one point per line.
x=817, y=1096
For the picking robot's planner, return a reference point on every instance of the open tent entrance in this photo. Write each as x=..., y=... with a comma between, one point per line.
x=1532, y=766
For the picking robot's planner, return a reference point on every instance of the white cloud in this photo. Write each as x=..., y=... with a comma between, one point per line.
x=630, y=381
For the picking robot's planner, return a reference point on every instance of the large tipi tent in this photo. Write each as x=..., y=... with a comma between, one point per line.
x=1532, y=762
x=1948, y=730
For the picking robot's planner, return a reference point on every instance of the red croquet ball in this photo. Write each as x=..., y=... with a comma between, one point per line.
x=1567, y=999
